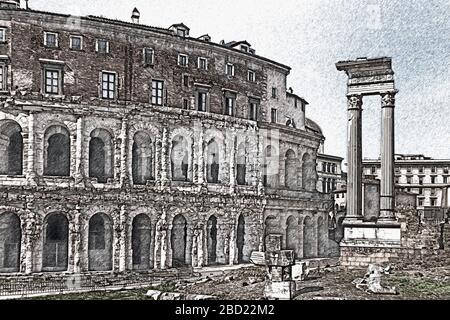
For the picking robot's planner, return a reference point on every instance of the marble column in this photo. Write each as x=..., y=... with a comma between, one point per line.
x=354, y=156
x=387, y=187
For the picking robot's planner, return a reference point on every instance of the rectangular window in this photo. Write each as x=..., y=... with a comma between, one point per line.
x=2, y=77
x=251, y=76
x=420, y=203
x=185, y=104
x=50, y=39
x=295, y=103
x=433, y=202
x=274, y=93
x=273, y=115
x=108, y=85
x=229, y=69
x=253, y=112
x=149, y=56
x=2, y=35
x=230, y=104
x=76, y=42
x=102, y=46
x=433, y=179
x=52, y=81
x=420, y=180
x=181, y=32
x=374, y=170
x=202, y=63
x=433, y=169
x=202, y=98
x=445, y=179
x=183, y=60
x=157, y=92
x=185, y=80
x=408, y=180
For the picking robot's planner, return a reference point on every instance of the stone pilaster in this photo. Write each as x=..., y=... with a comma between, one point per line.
x=232, y=155
x=31, y=170
x=79, y=167
x=354, y=155
x=123, y=217
x=200, y=163
x=124, y=176
x=158, y=159
x=165, y=158
x=75, y=242
x=232, y=245
x=387, y=187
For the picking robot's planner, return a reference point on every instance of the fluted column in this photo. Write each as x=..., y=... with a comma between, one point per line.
x=354, y=155
x=387, y=187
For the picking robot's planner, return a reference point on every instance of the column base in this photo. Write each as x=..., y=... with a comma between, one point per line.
x=371, y=234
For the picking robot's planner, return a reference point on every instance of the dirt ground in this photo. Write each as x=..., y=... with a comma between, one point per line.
x=329, y=284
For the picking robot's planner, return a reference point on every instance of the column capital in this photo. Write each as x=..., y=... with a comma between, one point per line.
x=388, y=99
x=354, y=101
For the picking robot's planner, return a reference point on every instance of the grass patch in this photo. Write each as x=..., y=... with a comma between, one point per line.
x=410, y=287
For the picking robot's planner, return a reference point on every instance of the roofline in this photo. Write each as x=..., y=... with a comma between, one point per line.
x=152, y=29
x=329, y=156
x=298, y=97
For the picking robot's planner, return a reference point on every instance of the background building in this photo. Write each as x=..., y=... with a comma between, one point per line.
x=427, y=177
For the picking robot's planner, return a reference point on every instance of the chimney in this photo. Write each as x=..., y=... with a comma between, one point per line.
x=135, y=16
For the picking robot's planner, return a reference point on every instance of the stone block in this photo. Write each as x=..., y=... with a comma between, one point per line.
x=273, y=242
x=281, y=258
x=279, y=290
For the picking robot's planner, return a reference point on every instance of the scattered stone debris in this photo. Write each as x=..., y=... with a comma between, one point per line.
x=371, y=282
x=159, y=295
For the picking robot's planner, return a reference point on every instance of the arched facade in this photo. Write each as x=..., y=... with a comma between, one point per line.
x=240, y=240
x=57, y=151
x=179, y=241
x=211, y=230
x=291, y=235
x=309, y=240
x=308, y=172
x=141, y=241
x=180, y=159
x=270, y=167
x=241, y=164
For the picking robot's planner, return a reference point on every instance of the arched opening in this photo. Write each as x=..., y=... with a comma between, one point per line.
x=57, y=143
x=11, y=148
x=270, y=227
x=241, y=165
x=240, y=239
x=290, y=170
x=56, y=240
x=180, y=159
x=213, y=160
x=291, y=234
x=322, y=237
x=10, y=238
x=308, y=238
x=270, y=168
x=101, y=155
x=142, y=158
x=308, y=172
x=140, y=240
x=211, y=229
x=100, y=243
x=179, y=241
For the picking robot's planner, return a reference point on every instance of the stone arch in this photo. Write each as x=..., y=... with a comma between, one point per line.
x=211, y=229
x=213, y=161
x=142, y=158
x=308, y=172
x=141, y=241
x=290, y=170
x=270, y=167
x=291, y=234
x=101, y=155
x=100, y=242
x=56, y=242
x=180, y=159
x=308, y=238
x=241, y=164
x=11, y=148
x=10, y=241
x=179, y=241
x=240, y=239
x=322, y=237
x=57, y=151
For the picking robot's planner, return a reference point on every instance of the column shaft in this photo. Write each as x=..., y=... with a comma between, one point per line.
x=354, y=156
x=387, y=187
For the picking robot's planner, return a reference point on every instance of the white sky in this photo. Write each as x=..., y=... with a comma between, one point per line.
x=311, y=36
